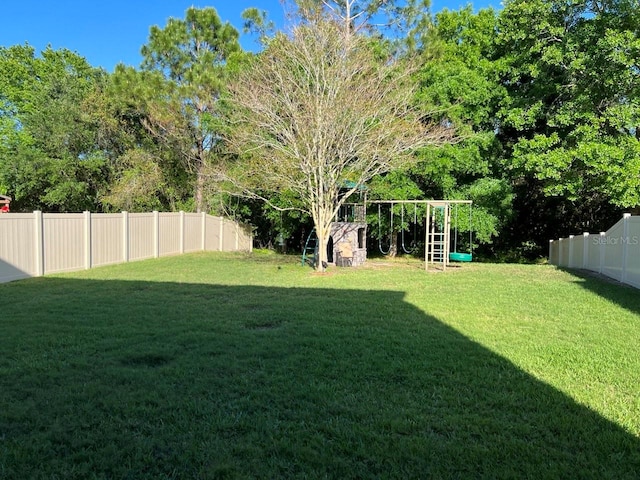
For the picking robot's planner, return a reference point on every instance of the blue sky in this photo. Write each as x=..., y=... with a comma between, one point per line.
x=108, y=32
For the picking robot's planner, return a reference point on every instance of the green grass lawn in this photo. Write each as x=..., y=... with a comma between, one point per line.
x=230, y=366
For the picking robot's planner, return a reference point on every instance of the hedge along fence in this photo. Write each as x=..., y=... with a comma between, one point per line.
x=35, y=244
x=614, y=253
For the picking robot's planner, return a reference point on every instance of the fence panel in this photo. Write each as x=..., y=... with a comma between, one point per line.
x=564, y=252
x=193, y=232
x=229, y=236
x=596, y=243
x=613, y=261
x=18, y=257
x=554, y=251
x=614, y=253
x=169, y=234
x=633, y=253
x=36, y=244
x=106, y=239
x=141, y=234
x=64, y=242
x=576, y=249
x=245, y=238
x=214, y=230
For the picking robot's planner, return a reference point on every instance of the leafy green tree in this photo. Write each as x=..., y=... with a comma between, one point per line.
x=148, y=168
x=571, y=117
x=184, y=74
x=460, y=79
x=139, y=183
x=52, y=155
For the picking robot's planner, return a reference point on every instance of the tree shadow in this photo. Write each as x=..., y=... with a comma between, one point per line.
x=129, y=379
x=621, y=294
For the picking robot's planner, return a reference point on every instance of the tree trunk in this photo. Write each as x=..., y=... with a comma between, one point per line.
x=198, y=194
x=323, y=242
x=322, y=221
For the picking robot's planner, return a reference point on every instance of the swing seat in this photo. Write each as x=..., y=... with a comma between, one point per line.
x=460, y=257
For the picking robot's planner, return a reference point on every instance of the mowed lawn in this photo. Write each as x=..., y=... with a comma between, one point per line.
x=235, y=366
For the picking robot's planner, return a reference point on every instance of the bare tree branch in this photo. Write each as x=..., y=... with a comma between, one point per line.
x=316, y=112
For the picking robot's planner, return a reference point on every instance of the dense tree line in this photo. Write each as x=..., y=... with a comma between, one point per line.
x=534, y=113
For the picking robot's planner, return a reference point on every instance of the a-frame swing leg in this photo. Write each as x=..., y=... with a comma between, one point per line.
x=426, y=238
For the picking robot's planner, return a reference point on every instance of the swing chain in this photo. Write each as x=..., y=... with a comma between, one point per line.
x=382, y=250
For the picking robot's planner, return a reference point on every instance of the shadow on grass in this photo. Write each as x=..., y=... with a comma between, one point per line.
x=621, y=294
x=163, y=380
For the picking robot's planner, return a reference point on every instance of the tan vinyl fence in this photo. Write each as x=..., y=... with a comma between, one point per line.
x=34, y=244
x=614, y=253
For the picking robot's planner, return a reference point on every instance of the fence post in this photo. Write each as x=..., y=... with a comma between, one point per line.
x=221, y=233
x=204, y=231
x=560, y=259
x=181, y=232
x=39, y=242
x=87, y=240
x=585, y=250
x=156, y=234
x=125, y=236
x=603, y=244
x=625, y=245
x=550, y=251
x=237, y=235
x=569, y=263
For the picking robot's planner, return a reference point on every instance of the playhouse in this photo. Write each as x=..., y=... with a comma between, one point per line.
x=347, y=245
x=348, y=237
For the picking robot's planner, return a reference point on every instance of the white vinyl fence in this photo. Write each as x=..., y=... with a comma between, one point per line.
x=34, y=244
x=614, y=253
